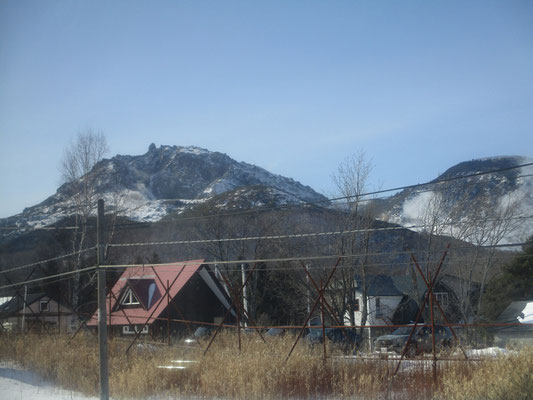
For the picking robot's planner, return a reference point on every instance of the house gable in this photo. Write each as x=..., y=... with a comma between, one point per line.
x=149, y=286
x=395, y=298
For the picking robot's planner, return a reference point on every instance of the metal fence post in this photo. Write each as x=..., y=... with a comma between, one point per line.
x=102, y=318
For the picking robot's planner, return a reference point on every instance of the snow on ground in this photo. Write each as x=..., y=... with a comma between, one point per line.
x=488, y=352
x=16, y=383
x=527, y=314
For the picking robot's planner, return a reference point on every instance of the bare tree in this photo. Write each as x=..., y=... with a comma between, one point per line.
x=351, y=180
x=81, y=178
x=453, y=209
x=217, y=227
x=488, y=224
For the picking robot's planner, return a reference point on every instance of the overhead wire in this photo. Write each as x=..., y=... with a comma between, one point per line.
x=303, y=235
x=268, y=237
x=3, y=271
x=77, y=271
x=308, y=258
x=267, y=260
x=46, y=282
x=294, y=259
x=43, y=228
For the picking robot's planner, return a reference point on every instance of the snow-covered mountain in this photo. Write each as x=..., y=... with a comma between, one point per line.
x=170, y=179
x=506, y=195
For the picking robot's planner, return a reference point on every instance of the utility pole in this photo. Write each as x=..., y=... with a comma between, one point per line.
x=102, y=317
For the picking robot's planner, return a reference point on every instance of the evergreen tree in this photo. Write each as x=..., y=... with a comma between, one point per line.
x=514, y=283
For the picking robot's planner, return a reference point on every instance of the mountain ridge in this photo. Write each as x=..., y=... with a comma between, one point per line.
x=165, y=179
x=170, y=180
x=499, y=192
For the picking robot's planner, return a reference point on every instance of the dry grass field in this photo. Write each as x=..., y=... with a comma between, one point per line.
x=260, y=371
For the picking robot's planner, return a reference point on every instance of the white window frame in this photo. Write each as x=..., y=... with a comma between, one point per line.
x=129, y=299
x=133, y=329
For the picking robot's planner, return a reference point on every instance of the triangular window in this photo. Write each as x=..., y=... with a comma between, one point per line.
x=129, y=299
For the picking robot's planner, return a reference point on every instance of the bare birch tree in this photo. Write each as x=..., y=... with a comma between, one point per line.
x=488, y=224
x=351, y=180
x=453, y=210
x=81, y=178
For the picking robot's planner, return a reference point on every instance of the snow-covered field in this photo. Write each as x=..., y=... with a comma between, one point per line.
x=16, y=383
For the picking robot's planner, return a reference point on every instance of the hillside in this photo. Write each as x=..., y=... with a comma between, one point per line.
x=505, y=195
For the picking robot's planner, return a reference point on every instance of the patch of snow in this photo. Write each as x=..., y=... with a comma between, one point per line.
x=219, y=186
x=415, y=207
x=5, y=299
x=527, y=314
x=488, y=352
x=17, y=383
x=193, y=150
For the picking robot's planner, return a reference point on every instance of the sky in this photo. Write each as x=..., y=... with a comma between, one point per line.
x=294, y=87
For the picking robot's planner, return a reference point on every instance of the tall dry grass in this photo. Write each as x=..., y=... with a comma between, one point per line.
x=259, y=371
x=508, y=378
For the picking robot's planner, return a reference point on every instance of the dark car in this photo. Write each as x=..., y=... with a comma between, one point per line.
x=421, y=341
x=394, y=341
x=285, y=331
x=343, y=338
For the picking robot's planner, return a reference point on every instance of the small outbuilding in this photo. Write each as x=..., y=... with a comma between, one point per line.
x=36, y=312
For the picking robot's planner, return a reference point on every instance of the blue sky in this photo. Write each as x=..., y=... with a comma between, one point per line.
x=291, y=86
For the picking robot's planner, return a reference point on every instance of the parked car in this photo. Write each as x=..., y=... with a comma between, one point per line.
x=421, y=342
x=394, y=341
x=346, y=340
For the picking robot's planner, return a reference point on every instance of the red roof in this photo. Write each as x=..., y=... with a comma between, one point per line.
x=153, y=299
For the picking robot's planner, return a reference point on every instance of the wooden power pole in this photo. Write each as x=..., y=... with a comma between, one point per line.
x=102, y=317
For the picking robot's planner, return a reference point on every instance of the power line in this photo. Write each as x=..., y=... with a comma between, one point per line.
x=48, y=260
x=321, y=267
x=301, y=235
x=270, y=237
x=309, y=258
x=269, y=260
x=44, y=228
x=47, y=277
x=48, y=282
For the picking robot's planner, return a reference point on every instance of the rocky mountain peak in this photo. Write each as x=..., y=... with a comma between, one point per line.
x=166, y=179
